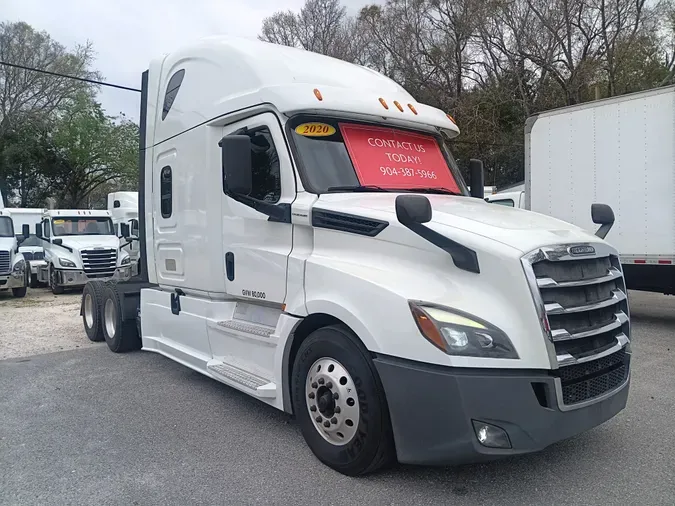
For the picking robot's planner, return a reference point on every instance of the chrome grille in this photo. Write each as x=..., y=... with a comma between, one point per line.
x=584, y=310
x=4, y=262
x=99, y=263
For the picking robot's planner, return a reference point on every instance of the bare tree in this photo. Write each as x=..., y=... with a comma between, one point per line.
x=25, y=93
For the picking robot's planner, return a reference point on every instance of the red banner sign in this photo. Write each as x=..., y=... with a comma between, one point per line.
x=393, y=158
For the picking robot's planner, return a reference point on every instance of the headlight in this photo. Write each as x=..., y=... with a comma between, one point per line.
x=458, y=333
x=19, y=266
x=125, y=261
x=66, y=263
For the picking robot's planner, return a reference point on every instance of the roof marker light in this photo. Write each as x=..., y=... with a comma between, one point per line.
x=384, y=104
x=451, y=119
x=317, y=94
x=398, y=106
x=412, y=108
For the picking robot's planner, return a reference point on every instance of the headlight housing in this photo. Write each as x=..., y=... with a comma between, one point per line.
x=126, y=260
x=458, y=333
x=19, y=266
x=64, y=262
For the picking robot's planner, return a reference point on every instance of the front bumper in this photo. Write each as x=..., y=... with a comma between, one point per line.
x=74, y=277
x=11, y=280
x=36, y=265
x=432, y=409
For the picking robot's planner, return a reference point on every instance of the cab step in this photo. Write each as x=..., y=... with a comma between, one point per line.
x=247, y=327
x=230, y=374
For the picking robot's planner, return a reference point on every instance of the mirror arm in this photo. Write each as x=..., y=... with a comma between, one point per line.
x=280, y=213
x=604, y=230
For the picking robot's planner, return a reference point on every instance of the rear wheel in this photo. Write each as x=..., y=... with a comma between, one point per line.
x=120, y=335
x=92, y=298
x=34, y=283
x=339, y=403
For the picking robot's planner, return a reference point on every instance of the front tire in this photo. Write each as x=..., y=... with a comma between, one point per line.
x=21, y=292
x=92, y=298
x=56, y=289
x=335, y=380
x=120, y=335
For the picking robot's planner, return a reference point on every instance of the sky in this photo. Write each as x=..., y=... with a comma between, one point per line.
x=127, y=34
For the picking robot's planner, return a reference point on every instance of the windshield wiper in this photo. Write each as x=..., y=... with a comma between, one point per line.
x=435, y=189
x=365, y=188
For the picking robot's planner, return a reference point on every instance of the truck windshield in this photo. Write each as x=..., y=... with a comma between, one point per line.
x=342, y=155
x=82, y=226
x=6, y=226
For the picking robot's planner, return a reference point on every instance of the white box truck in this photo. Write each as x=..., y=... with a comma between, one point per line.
x=618, y=151
x=307, y=238
x=80, y=245
x=123, y=208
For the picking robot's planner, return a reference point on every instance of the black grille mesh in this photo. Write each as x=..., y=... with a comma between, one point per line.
x=583, y=382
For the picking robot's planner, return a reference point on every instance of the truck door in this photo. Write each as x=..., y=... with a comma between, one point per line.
x=256, y=249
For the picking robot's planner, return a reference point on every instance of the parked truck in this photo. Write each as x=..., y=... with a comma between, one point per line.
x=14, y=272
x=619, y=151
x=306, y=237
x=80, y=245
x=31, y=247
x=123, y=208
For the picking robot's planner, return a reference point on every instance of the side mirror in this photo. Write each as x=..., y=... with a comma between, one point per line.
x=236, y=164
x=477, y=178
x=133, y=225
x=124, y=230
x=117, y=204
x=38, y=231
x=602, y=215
x=58, y=242
x=413, y=209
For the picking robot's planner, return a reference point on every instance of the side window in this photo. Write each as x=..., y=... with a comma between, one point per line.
x=171, y=91
x=266, y=178
x=46, y=228
x=504, y=202
x=165, y=193
x=134, y=227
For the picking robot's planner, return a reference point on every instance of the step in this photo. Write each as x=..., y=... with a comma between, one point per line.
x=260, y=387
x=255, y=329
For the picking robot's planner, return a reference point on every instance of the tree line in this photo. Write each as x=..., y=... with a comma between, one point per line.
x=55, y=139
x=493, y=63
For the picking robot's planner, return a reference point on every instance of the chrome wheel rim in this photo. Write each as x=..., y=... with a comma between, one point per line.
x=332, y=401
x=89, y=310
x=109, y=313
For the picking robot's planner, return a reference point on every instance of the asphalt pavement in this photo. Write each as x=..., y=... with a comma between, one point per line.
x=91, y=427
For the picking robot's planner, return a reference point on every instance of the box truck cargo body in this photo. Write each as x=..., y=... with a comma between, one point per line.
x=618, y=151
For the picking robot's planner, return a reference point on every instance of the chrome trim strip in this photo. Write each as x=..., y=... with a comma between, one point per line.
x=555, y=308
x=563, y=335
x=567, y=359
x=612, y=274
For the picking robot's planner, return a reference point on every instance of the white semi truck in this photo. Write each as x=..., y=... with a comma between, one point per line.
x=123, y=208
x=31, y=247
x=619, y=151
x=14, y=271
x=80, y=245
x=306, y=238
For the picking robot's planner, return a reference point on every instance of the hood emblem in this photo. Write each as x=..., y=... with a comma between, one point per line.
x=582, y=249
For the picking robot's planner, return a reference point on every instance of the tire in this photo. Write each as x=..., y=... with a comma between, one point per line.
x=120, y=335
x=34, y=283
x=19, y=293
x=56, y=289
x=92, y=298
x=370, y=444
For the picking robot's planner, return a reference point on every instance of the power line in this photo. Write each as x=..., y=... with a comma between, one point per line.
x=90, y=81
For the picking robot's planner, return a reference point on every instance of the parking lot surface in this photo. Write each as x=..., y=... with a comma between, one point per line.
x=87, y=426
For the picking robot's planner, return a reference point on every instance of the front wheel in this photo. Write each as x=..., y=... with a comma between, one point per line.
x=339, y=403
x=56, y=289
x=21, y=292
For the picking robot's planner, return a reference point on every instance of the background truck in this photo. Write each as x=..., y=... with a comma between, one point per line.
x=14, y=272
x=619, y=151
x=123, y=208
x=510, y=196
x=80, y=245
x=307, y=238
x=32, y=247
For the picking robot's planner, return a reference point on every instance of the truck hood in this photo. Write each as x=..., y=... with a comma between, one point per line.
x=80, y=242
x=518, y=228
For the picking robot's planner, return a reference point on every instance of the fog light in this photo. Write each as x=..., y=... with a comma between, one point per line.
x=491, y=435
